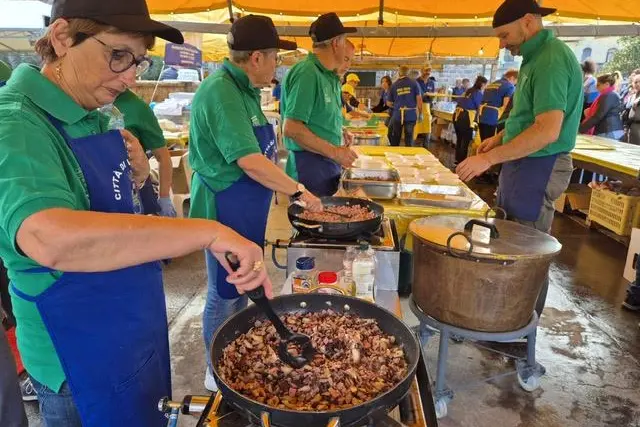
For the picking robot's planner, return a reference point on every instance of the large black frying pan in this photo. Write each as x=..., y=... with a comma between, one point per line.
x=337, y=230
x=358, y=415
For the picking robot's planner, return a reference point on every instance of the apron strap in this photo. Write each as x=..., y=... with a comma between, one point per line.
x=58, y=125
x=21, y=294
x=200, y=177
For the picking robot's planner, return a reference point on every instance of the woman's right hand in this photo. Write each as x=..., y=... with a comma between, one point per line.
x=252, y=272
x=311, y=202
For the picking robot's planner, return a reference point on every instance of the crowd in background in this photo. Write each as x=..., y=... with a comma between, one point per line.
x=611, y=104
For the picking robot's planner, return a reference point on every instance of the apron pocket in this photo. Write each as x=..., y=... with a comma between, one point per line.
x=137, y=397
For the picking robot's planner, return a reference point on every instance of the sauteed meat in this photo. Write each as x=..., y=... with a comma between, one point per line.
x=354, y=213
x=355, y=362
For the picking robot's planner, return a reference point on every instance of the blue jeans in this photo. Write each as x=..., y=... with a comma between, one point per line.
x=616, y=134
x=57, y=409
x=395, y=133
x=216, y=309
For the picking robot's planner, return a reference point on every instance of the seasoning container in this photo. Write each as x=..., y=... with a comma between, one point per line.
x=364, y=272
x=304, y=276
x=328, y=284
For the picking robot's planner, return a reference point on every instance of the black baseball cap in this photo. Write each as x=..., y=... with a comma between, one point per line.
x=512, y=10
x=328, y=26
x=256, y=32
x=126, y=15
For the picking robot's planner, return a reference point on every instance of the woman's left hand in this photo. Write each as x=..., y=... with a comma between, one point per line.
x=137, y=157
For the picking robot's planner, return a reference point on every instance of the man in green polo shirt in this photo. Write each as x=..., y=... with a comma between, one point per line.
x=541, y=130
x=232, y=153
x=143, y=124
x=311, y=107
x=5, y=72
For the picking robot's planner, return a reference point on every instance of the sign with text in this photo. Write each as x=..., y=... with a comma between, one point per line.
x=183, y=55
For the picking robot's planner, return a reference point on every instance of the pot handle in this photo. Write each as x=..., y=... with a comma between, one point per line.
x=458, y=255
x=496, y=209
x=309, y=226
x=468, y=227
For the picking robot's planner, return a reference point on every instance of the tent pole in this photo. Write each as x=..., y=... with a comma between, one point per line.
x=230, y=7
x=381, y=13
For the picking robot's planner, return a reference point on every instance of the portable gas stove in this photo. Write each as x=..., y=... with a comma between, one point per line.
x=328, y=253
x=214, y=412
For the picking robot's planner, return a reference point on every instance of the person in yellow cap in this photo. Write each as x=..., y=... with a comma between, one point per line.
x=349, y=111
x=352, y=81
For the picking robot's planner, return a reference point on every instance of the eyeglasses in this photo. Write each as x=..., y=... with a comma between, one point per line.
x=121, y=60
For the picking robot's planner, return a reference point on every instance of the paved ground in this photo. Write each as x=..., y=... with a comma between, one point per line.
x=590, y=347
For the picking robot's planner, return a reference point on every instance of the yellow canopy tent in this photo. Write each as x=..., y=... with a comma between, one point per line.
x=615, y=10
x=214, y=46
x=361, y=13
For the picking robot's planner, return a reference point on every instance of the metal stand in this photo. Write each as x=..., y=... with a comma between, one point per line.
x=527, y=370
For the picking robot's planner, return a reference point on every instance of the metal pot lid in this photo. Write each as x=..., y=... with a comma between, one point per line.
x=514, y=240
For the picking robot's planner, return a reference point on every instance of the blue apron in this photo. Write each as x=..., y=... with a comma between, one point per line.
x=109, y=329
x=522, y=186
x=319, y=174
x=244, y=206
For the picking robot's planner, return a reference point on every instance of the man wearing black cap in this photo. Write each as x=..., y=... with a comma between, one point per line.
x=232, y=153
x=311, y=109
x=542, y=126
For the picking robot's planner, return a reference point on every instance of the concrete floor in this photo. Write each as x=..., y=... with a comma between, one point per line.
x=588, y=344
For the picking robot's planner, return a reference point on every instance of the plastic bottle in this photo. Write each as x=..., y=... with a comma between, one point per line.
x=116, y=122
x=346, y=279
x=304, y=276
x=364, y=272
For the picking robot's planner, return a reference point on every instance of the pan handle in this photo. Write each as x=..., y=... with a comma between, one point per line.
x=309, y=226
x=458, y=255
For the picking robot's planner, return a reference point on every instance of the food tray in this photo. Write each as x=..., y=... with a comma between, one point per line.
x=374, y=189
x=450, y=196
x=377, y=174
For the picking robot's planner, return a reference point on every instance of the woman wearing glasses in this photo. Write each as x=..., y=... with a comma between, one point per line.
x=86, y=287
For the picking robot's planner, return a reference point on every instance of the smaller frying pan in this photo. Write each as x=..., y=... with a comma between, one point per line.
x=337, y=230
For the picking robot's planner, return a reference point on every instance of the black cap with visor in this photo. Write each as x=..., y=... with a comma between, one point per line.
x=512, y=10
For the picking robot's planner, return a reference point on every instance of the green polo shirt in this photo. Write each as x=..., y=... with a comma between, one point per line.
x=550, y=79
x=38, y=171
x=140, y=120
x=312, y=94
x=224, y=110
x=5, y=71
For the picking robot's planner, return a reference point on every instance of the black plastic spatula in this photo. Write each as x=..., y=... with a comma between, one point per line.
x=287, y=337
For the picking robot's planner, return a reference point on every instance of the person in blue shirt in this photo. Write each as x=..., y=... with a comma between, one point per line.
x=382, y=106
x=496, y=97
x=458, y=89
x=405, y=99
x=465, y=115
x=427, y=84
x=277, y=89
x=589, y=84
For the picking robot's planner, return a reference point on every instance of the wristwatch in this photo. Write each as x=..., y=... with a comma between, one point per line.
x=301, y=189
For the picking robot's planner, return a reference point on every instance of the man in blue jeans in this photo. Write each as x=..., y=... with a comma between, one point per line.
x=405, y=97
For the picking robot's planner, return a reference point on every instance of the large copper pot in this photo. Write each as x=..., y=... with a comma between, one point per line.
x=479, y=275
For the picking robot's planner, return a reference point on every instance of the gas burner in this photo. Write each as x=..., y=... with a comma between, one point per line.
x=383, y=239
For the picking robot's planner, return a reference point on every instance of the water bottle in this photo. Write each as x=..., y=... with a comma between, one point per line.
x=364, y=272
x=116, y=122
x=346, y=279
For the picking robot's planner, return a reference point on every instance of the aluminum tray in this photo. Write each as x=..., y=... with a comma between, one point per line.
x=377, y=174
x=456, y=196
x=375, y=189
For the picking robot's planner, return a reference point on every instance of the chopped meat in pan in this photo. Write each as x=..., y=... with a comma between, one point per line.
x=354, y=213
x=356, y=362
